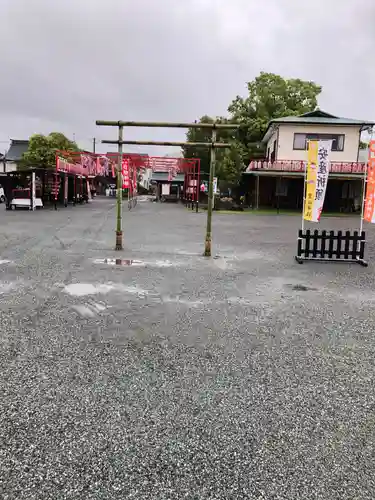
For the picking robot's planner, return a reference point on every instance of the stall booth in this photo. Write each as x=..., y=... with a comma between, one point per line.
x=175, y=179
x=71, y=181
x=75, y=176
x=24, y=190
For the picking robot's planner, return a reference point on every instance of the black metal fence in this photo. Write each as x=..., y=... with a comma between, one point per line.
x=331, y=246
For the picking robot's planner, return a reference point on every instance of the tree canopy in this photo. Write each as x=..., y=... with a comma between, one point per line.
x=204, y=135
x=42, y=149
x=269, y=96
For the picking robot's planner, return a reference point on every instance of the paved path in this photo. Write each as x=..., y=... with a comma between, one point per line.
x=181, y=377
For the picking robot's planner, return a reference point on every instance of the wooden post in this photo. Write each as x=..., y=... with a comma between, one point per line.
x=119, y=244
x=207, y=246
x=257, y=193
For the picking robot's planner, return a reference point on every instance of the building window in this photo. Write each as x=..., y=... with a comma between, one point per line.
x=301, y=140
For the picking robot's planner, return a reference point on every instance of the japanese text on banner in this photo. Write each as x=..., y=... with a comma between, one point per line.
x=312, y=159
x=125, y=174
x=317, y=179
x=324, y=149
x=369, y=212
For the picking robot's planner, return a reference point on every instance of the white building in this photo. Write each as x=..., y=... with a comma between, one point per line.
x=287, y=137
x=278, y=179
x=14, y=154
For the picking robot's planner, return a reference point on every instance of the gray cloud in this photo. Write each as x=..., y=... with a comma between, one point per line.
x=66, y=64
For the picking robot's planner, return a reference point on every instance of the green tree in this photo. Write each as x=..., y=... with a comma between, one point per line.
x=269, y=96
x=230, y=164
x=204, y=135
x=42, y=149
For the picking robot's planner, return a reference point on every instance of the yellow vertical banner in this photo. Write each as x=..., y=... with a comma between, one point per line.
x=312, y=162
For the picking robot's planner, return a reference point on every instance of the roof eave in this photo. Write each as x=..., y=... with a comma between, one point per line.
x=317, y=122
x=367, y=126
x=271, y=127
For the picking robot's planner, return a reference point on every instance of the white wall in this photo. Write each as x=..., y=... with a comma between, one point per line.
x=286, y=137
x=146, y=177
x=10, y=166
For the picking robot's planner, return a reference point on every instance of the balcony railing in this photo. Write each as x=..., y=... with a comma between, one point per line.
x=299, y=166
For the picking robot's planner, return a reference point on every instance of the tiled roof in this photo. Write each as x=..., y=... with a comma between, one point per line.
x=16, y=150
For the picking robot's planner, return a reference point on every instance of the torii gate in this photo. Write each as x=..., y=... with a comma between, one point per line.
x=212, y=145
x=132, y=163
x=85, y=166
x=190, y=167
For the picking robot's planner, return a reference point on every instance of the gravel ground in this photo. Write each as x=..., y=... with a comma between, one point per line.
x=181, y=377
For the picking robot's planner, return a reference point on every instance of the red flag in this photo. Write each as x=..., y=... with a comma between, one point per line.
x=125, y=174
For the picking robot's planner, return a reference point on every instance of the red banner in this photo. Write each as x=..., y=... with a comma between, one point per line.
x=125, y=174
x=299, y=166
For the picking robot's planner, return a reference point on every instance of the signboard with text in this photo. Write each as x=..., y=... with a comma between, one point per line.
x=316, y=179
x=125, y=174
x=215, y=185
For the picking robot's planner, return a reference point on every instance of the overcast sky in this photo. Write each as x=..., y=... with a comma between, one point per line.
x=66, y=63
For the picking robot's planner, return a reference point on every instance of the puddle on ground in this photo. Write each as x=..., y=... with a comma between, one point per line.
x=136, y=263
x=89, y=310
x=167, y=299
x=6, y=287
x=120, y=262
x=220, y=262
x=82, y=289
x=301, y=288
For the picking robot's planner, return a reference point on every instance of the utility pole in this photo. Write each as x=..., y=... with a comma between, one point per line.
x=119, y=192
x=94, y=145
x=212, y=145
x=207, y=245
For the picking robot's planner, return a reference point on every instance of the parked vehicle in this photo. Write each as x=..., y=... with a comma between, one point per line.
x=2, y=195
